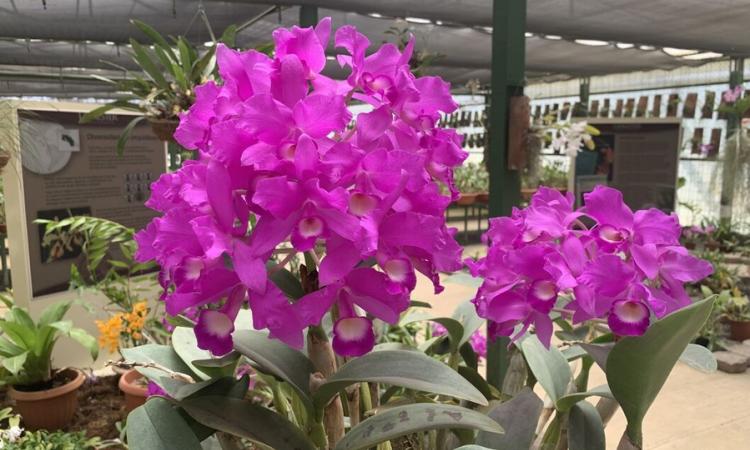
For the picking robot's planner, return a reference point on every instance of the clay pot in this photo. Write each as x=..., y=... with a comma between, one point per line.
x=135, y=392
x=50, y=409
x=164, y=129
x=483, y=197
x=738, y=330
x=466, y=199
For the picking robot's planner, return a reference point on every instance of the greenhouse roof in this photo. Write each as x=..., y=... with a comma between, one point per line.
x=565, y=39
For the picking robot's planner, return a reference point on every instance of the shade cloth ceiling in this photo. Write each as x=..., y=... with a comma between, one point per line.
x=75, y=33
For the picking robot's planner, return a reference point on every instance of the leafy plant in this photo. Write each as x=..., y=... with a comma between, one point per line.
x=472, y=178
x=165, y=87
x=110, y=268
x=26, y=346
x=733, y=306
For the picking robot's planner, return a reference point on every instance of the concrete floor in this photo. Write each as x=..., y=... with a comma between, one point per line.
x=694, y=410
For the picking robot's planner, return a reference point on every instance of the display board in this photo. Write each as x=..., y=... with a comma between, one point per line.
x=72, y=169
x=639, y=157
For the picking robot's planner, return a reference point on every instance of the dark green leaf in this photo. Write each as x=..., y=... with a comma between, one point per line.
x=288, y=283
x=158, y=425
x=473, y=377
x=186, y=346
x=469, y=355
x=245, y=419
x=230, y=359
x=599, y=352
x=155, y=37
x=637, y=367
x=276, y=358
x=566, y=402
x=549, y=366
x=143, y=59
x=125, y=135
x=419, y=304
x=408, y=419
x=518, y=417
x=224, y=386
x=101, y=110
x=454, y=327
x=403, y=368
x=585, y=428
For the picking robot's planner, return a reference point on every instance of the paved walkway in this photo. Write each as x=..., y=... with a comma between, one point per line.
x=694, y=411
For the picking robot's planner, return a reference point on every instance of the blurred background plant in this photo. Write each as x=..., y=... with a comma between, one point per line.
x=472, y=178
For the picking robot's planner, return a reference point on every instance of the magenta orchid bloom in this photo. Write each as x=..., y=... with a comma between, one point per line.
x=626, y=267
x=732, y=95
x=284, y=168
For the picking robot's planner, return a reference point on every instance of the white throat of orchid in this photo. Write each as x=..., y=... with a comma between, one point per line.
x=610, y=234
x=544, y=290
x=630, y=312
x=397, y=269
x=361, y=204
x=310, y=227
x=218, y=324
x=353, y=328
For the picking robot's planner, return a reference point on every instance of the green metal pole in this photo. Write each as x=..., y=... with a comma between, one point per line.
x=729, y=166
x=308, y=16
x=581, y=109
x=508, y=70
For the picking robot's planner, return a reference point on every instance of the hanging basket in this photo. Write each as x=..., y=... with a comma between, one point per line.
x=164, y=129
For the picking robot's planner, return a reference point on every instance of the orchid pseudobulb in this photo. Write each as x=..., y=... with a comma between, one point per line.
x=625, y=267
x=284, y=168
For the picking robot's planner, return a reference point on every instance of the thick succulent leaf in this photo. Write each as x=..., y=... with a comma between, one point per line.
x=599, y=352
x=585, y=428
x=157, y=424
x=700, y=358
x=566, y=402
x=549, y=366
x=454, y=327
x=276, y=358
x=245, y=419
x=225, y=386
x=408, y=419
x=518, y=417
x=403, y=368
x=186, y=346
x=287, y=282
x=466, y=314
x=230, y=359
x=164, y=356
x=472, y=376
x=637, y=367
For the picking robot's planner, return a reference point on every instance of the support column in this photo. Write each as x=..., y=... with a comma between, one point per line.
x=581, y=108
x=308, y=16
x=508, y=70
x=734, y=123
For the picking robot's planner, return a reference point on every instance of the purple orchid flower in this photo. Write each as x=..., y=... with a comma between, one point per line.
x=732, y=95
x=282, y=163
x=625, y=268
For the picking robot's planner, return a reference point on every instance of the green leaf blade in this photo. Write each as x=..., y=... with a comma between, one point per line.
x=157, y=424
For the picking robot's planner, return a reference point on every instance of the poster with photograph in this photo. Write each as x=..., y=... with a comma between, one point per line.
x=73, y=169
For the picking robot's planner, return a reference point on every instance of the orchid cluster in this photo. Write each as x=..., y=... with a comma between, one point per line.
x=284, y=169
x=602, y=261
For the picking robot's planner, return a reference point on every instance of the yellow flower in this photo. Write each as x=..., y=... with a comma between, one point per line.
x=109, y=332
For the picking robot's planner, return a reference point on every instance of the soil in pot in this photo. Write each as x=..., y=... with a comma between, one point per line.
x=135, y=388
x=50, y=405
x=739, y=330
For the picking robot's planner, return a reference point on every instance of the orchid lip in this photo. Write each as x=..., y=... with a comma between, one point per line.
x=610, y=234
x=310, y=227
x=218, y=324
x=362, y=204
x=397, y=269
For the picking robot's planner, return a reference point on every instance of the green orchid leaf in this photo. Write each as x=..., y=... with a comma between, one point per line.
x=518, y=416
x=585, y=428
x=157, y=424
x=699, y=358
x=164, y=356
x=637, y=367
x=403, y=368
x=549, y=366
x=245, y=419
x=566, y=402
x=403, y=420
x=278, y=359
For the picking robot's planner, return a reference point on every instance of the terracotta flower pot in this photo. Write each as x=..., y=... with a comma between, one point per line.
x=466, y=199
x=739, y=330
x=483, y=197
x=135, y=392
x=50, y=409
x=164, y=129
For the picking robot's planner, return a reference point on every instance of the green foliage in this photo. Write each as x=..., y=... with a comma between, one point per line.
x=55, y=440
x=109, y=249
x=26, y=346
x=165, y=85
x=472, y=178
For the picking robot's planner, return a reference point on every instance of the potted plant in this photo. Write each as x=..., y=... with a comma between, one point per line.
x=735, y=312
x=46, y=398
x=472, y=180
x=166, y=86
